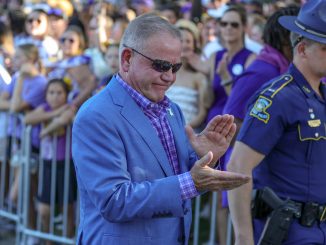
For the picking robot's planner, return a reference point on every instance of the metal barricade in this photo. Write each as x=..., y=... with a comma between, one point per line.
x=11, y=210
x=54, y=232
x=19, y=213
x=197, y=228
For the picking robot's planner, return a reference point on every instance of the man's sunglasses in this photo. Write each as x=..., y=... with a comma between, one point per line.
x=159, y=65
x=234, y=25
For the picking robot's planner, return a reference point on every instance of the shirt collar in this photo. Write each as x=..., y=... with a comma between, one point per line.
x=142, y=101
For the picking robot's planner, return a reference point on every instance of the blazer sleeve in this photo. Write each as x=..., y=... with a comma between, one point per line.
x=100, y=159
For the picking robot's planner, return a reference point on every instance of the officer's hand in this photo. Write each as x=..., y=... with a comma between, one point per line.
x=207, y=179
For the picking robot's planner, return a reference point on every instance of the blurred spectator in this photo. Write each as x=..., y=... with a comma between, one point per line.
x=210, y=39
x=99, y=29
x=112, y=62
x=112, y=57
x=253, y=6
x=190, y=87
x=271, y=7
x=59, y=14
x=171, y=11
x=56, y=102
x=208, y=31
x=142, y=6
x=99, y=26
x=6, y=47
x=217, y=45
x=214, y=4
x=65, y=5
x=75, y=66
x=16, y=21
x=119, y=26
x=13, y=4
x=255, y=27
x=37, y=28
x=185, y=10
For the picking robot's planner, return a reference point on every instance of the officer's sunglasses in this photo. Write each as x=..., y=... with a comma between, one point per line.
x=159, y=65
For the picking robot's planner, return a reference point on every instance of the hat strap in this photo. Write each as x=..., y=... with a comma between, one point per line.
x=309, y=30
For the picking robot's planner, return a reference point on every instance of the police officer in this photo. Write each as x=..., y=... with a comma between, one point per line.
x=282, y=142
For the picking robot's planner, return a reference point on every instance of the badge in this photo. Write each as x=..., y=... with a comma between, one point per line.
x=237, y=69
x=314, y=123
x=259, y=109
x=306, y=89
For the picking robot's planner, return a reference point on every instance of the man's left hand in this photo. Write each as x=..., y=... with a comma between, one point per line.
x=216, y=137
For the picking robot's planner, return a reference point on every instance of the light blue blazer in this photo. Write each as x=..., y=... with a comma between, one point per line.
x=128, y=191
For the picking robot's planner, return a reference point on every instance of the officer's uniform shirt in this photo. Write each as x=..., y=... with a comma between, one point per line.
x=286, y=122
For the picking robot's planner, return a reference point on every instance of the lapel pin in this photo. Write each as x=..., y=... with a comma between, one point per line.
x=170, y=111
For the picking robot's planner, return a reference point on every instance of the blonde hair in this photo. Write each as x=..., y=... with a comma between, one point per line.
x=30, y=51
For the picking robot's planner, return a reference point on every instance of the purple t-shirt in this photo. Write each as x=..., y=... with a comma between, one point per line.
x=47, y=142
x=235, y=68
x=258, y=73
x=33, y=93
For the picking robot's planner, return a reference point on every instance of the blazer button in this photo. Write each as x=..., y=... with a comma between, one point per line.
x=186, y=210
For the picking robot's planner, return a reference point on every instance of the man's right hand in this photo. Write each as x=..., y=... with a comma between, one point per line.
x=208, y=179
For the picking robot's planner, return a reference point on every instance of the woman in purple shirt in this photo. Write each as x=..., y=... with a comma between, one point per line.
x=271, y=62
x=230, y=62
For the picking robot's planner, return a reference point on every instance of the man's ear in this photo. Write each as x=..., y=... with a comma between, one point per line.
x=126, y=59
x=301, y=48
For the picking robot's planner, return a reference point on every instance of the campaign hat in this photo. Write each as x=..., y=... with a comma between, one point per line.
x=310, y=22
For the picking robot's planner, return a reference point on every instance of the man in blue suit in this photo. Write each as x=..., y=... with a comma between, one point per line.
x=136, y=168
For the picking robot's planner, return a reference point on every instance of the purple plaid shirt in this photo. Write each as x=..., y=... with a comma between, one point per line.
x=156, y=112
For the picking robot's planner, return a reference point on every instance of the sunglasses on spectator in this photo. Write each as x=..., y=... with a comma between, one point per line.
x=159, y=65
x=234, y=25
x=31, y=20
x=64, y=39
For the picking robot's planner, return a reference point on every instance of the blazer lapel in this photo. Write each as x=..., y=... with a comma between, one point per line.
x=140, y=122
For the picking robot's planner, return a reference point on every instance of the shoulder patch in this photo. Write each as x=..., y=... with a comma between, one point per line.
x=260, y=107
x=277, y=85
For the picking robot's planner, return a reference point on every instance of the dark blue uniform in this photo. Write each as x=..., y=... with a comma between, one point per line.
x=287, y=123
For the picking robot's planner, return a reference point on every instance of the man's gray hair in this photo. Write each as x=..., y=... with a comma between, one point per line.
x=143, y=27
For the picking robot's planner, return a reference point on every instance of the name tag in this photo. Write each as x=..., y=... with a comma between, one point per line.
x=314, y=123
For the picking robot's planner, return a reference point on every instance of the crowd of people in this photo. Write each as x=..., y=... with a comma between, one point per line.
x=57, y=54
